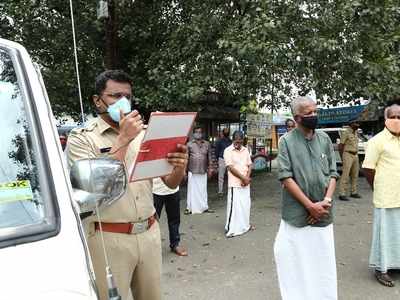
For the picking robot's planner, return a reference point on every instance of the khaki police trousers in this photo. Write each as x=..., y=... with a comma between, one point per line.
x=350, y=170
x=135, y=261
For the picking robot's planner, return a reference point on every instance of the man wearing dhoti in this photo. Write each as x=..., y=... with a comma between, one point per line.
x=238, y=162
x=199, y=167
x=382, y=170
x=304, y=246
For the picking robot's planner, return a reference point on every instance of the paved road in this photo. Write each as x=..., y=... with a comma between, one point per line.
x=243, y=267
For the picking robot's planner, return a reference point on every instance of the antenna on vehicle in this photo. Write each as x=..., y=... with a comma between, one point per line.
x=76, y=62
x=112, y=288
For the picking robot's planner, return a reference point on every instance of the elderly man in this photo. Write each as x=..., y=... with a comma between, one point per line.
x=382, y=170
x=304, y=246
x=238, y=161
x=199, y=167
x=129, y=227
x=348, y=149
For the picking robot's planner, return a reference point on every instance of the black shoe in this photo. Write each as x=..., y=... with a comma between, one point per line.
x=344, y=198
x=358, y=196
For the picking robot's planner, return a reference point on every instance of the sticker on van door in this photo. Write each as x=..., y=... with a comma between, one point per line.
x=13, y=191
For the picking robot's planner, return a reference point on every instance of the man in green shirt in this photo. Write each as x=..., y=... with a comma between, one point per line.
x=304, y=247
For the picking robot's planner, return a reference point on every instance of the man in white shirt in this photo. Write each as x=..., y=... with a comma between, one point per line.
x=163, y=195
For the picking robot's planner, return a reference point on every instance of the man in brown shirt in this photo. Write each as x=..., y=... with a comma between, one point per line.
x=199, y=167
x=130, y=230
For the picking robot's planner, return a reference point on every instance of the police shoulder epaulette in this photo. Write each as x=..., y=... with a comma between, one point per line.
x=91, y=126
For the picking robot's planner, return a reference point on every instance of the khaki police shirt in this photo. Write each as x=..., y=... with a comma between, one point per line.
x=96, y=140
x=349, y=139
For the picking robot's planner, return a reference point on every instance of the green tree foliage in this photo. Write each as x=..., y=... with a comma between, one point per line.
x=178, y=51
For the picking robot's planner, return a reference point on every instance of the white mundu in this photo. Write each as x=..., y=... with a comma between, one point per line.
x=306, y=263
x=197, y=199
x=238, y=211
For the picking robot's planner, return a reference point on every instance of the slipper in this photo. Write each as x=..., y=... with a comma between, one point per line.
x=187, y=212
x=179, y=250
x=384, y=279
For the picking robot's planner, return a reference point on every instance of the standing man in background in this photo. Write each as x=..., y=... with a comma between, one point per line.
x=199, y=169
x=290, y=125
x=163, y=195
x=348, y=149
x=238, y=162
x=382, y=170
x=220, y=147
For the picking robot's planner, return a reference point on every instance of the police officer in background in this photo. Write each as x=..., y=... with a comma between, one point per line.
x=348, y=149
x=130, y=228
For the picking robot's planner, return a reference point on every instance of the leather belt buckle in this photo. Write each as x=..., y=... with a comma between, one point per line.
x=139, y=227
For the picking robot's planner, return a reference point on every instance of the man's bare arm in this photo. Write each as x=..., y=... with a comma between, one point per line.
x=179, y=161
x=130, y=127
x=236, y=173
x=331, y=188
x=370, y=176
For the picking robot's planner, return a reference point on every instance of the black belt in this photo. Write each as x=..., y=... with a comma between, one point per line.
x=352, y=152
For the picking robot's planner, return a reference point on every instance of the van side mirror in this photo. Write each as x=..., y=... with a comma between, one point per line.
x=97, y=182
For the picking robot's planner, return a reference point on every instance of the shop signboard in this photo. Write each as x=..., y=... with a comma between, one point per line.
x=339, y=114
x=259, y=125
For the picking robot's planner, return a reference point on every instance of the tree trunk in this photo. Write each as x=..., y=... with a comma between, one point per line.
x=111, y=43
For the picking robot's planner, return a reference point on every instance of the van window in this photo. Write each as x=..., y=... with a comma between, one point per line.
x=25, y=208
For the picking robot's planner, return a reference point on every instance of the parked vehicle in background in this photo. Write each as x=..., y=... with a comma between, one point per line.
x=43, y=252
x=335, y=135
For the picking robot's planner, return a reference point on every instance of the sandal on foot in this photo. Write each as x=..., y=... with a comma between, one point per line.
x=384, y=279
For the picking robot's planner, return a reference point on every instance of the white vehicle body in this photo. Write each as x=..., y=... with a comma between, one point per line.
x=45, y=258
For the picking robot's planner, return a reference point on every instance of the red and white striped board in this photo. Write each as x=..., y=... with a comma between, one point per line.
x=164, y=132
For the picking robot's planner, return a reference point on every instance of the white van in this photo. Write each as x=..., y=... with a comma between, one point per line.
x=43, y=253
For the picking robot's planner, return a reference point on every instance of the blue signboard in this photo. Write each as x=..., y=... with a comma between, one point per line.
x=339, y=114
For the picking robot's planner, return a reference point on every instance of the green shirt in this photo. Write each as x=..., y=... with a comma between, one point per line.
x=311, y=163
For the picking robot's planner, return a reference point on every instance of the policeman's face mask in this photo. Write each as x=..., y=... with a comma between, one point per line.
x=113, y=110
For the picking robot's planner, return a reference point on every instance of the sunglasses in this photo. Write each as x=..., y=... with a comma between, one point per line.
x=119, y=95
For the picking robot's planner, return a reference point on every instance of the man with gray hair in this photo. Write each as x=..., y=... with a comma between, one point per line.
x=304, y=247
x=238, y=162
x=382, y=171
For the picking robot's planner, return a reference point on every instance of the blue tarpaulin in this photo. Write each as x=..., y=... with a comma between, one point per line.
x=339, y=114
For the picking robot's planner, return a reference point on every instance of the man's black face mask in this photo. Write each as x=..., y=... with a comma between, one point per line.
x=310, y=122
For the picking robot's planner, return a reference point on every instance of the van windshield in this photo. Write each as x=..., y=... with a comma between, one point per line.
x=20, y=193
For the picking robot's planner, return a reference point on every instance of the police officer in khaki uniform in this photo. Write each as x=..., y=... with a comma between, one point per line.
x=348, y=149
x=130, y=228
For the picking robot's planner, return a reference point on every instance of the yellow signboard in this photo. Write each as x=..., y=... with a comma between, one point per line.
x=18, y=190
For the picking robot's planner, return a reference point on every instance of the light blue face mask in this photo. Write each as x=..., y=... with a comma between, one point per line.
x=114, y=110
